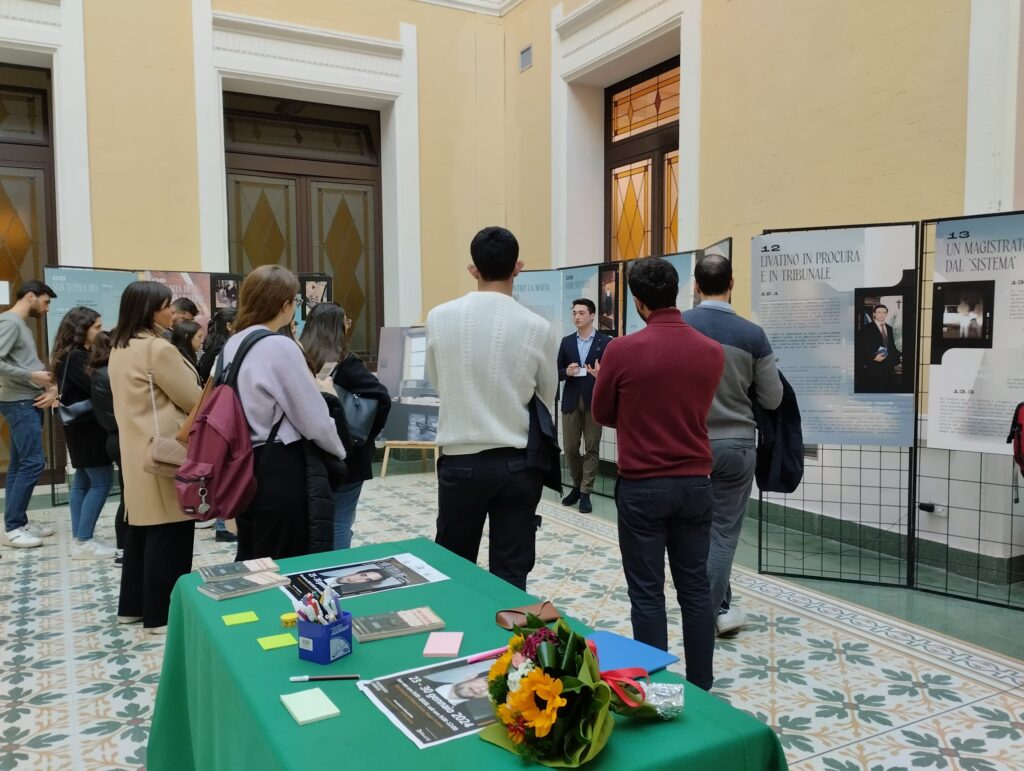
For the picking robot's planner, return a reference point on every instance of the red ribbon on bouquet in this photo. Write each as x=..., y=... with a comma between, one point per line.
x=617, y=678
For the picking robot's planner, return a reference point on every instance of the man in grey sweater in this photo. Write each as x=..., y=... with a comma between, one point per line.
x=26, y=389
x=731, y=426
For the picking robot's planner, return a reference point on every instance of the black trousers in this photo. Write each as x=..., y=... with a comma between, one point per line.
x=276, y=524
x=495, y=483
x=155, y=556
x=673, y=514
x=120, y=526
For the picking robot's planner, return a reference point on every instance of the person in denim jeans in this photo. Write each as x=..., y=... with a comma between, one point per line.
x=26, y=389
x=86, y=439
x=325, y=340
x=749, y=364
x=655, y=388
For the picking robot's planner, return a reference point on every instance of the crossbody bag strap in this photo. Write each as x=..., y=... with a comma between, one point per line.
x=152, y=389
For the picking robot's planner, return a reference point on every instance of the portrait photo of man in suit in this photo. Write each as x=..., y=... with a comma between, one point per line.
x=577, y=355
x=878, y=356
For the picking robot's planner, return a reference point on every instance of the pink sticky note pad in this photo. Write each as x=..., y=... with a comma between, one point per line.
x=443, y=645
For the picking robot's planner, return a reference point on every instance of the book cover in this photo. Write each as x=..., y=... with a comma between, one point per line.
x=380, y=626
x=236, y=569
x=236, y=587
x=617, y=652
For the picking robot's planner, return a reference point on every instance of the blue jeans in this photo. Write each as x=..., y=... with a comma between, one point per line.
x=27, y=461
x=89, y=490
x=346, y=498
x=732, y=478
x=670, y=514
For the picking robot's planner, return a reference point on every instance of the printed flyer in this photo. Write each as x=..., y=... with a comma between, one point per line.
x=578, y=281
x=839, y=308
x=358, y=578
x=977, y=335
x=194, y=286
x=437, y=703
x=683, y=263
x=541, y=292
x=97, y=289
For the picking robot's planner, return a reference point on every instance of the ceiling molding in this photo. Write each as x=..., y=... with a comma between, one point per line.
x=254, y=27
x=486, y=7
x=41, y=12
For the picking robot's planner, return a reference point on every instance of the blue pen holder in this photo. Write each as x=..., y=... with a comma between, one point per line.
x=324, y=643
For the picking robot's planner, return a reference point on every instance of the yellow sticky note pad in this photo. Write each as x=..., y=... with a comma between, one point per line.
x=277, y=641
x=231, y=619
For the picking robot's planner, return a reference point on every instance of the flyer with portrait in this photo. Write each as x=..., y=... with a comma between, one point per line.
x=839, y=307
x=437, y=703
x=357, y=578
x=977, y=332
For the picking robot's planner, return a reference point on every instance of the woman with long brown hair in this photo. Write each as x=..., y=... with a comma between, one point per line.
x=325, y=340
x=86, y=439
x=154, y=389
x=103, y=408
x=286, y=413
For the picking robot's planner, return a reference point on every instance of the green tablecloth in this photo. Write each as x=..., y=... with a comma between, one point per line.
x=218, y=704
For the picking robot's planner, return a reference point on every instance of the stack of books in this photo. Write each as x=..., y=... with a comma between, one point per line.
x=395, y=624
x=233, y=579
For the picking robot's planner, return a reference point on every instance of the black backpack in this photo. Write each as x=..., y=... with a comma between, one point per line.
x=780, y=443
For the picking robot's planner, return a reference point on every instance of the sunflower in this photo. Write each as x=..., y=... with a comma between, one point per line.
x=500, y=667
x=538, y=686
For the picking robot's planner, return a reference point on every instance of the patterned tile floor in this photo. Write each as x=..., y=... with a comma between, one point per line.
x=845, y=688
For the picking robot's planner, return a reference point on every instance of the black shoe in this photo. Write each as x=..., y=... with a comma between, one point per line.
x=585, y=507
x=226, y=536
x=572, y=497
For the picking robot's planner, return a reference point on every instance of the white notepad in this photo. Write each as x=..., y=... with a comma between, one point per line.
x=309, y=706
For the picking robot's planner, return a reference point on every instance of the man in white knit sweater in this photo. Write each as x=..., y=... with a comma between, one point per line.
x=488, y=355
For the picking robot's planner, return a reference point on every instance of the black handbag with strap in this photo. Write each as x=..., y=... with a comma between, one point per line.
x=69, y=414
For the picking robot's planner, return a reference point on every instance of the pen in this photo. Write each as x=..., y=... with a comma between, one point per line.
x=487, y=655
x=318, y=678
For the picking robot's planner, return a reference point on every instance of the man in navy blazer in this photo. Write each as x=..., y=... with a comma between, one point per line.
x=577, y=355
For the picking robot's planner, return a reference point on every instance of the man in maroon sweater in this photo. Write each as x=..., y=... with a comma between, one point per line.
x=655, y=388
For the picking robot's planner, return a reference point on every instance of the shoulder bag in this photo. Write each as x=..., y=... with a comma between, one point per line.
x=360, y=413
x=72, y=413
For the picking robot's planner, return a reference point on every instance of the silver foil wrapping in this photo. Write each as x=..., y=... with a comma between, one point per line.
x=666, y=698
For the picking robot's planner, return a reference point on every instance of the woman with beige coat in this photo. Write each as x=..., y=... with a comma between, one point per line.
x=159, y=538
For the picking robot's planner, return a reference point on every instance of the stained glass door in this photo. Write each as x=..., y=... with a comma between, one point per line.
x=262, y=222
x=343, y=244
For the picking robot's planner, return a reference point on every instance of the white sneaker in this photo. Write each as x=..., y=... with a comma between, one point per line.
x=157, y=630
x=730, y=621
x=39, y=531
x=206, y=524
x=21, y=538
x=91, y=550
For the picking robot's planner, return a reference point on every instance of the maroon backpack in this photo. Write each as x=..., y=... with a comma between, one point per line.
x=1016, y=438
x=217, y=479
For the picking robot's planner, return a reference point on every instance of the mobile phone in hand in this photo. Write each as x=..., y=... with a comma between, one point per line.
x=328, y=369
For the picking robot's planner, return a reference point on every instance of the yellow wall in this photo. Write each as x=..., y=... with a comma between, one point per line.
x=860, y=117
x=825, y=113
x=464, y=161
x=527, y=151
x=142, y=134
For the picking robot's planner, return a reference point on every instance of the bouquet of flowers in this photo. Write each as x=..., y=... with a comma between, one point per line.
x=553, y=702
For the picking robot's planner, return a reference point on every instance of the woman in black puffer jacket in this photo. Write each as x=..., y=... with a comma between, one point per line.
x=103, y=409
